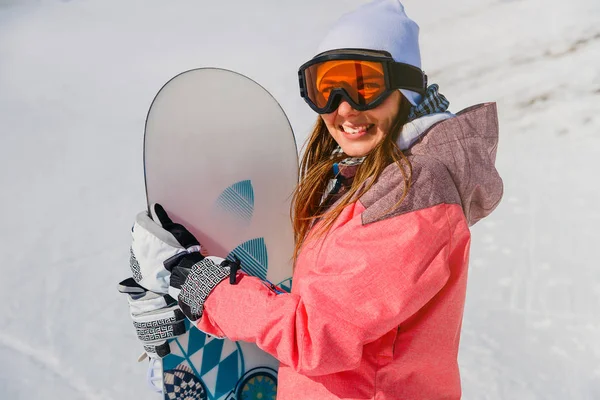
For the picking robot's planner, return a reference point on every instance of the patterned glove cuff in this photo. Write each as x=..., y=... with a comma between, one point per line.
x=170, y=325
x=204, y=276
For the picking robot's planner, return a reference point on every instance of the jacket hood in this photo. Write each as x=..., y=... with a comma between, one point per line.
x=413, y=130
x=466, y=145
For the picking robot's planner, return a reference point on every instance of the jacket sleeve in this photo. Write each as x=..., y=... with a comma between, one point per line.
x=365, y=282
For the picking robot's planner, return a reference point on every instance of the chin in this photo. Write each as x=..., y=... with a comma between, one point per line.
x=355, y=152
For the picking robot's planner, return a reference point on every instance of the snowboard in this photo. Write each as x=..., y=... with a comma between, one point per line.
x=220, y=156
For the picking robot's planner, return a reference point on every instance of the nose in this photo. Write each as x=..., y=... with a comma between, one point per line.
x=346, y=110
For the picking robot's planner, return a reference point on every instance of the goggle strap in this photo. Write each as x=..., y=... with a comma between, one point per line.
x=404, y=76
x=302, y=83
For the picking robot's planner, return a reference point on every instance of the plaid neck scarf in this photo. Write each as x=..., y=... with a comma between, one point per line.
x=433, y=102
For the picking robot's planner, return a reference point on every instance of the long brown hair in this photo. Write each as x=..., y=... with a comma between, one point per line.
x=316, y=168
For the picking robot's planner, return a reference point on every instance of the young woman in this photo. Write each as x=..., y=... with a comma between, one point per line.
x=390, y=183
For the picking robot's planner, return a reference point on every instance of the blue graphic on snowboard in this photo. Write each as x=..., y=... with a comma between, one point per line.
x=222, y=363
x=238, y=200
x=253, y=255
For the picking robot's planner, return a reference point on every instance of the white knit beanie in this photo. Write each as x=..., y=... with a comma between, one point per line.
x=378, y=25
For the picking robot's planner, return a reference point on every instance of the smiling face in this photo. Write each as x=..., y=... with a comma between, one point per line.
x=359, y=132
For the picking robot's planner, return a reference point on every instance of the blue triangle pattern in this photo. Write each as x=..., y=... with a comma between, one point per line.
x=228, y=374
x=286, y=285
x=171, y=361
x=254, y=257
x=211, y=355
x=238, y=199
x=196, y=340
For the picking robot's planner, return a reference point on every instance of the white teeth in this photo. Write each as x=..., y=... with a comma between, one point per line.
x=354, y=131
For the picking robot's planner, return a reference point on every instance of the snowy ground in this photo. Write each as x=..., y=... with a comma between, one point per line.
x=77, y=77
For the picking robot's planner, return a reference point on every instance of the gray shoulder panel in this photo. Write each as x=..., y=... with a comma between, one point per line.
x=431, y=185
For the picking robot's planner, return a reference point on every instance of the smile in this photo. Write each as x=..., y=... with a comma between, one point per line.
x=356, y=130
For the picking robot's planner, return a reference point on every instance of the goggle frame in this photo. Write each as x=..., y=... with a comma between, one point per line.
x=396, y=76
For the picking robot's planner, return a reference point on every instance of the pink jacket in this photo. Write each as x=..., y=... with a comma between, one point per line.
x=377, y=304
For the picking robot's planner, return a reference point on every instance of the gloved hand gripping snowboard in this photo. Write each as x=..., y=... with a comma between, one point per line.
x=159, y=243
x=192, y=281
x=163, y=253
x=156, y=315
x=156, y=318
x=191, y=276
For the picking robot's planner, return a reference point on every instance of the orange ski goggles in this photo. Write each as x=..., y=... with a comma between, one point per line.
x=363, y=78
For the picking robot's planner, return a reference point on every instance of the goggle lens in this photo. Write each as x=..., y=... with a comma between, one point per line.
x=363, y=81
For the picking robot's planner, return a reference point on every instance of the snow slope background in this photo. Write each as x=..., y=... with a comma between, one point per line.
x=77, y=78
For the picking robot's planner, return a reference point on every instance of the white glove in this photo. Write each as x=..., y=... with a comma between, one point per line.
x=156, y=318
x=158, y=241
